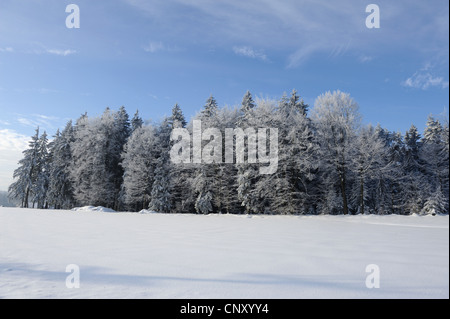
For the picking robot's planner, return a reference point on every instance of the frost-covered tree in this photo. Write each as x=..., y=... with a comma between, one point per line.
x=246, y=110
x=40, y=186
x=81, y=166
x=120, y=134
x=60, y=191
x=414, y=188
x=435, y=160
x=205, y=174
x=27, y=173
x=385, y=185
x=214, y=181
x=96, y=172
x=337, y=119
x=393, y=199
x=136, y=122
x=292, y=105
x=326, y=164
x=247, y=173
x=297, y=150
x=204, y=189
x=161, y=194
x=177, y=120
x=161, y=188
x=180, y=174
x=32, y=175
x=368, y=163
x=139, y=163
x=210, y=108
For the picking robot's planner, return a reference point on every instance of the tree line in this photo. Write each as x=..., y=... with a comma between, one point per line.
x=328, y=163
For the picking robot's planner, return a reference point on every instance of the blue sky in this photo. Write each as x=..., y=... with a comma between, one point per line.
x=149, y=55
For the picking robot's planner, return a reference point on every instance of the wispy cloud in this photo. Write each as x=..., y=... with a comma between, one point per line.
x=7, y=49
x=27, y=122
x=365, y=58
x=39, y=48
x=424, y=79
x=61, y=52
x=34, y=120
x=154, y=47
x=249, y=52
x=301, y=55
x=299, y=29
x=153, y=96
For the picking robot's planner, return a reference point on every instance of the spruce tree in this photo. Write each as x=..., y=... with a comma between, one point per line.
x=60, y=192
x=26, y=174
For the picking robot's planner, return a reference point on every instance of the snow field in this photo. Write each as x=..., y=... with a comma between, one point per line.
x=129, y=255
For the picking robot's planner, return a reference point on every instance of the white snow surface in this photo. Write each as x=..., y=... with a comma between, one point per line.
x=129, y=255
x=93, y=209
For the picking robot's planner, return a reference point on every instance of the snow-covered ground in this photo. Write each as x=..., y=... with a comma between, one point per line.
x=124, y=255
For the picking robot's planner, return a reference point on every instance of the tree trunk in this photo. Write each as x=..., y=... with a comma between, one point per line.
x=25, y=204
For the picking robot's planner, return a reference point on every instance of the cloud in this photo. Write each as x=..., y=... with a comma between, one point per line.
x=301, y=55
x=12, y=144
x=299, y=29
x=424, y=80
x=365, y=58
x=43, y=121
x=154, y=47
x=248, y=52
x=8, y=49
x=27, y=122
x=39, y=48
x=153, y=96
x=61, y=52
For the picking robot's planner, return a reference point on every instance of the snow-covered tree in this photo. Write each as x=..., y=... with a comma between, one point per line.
x=368, y=163
x=27, y=173
x=337, y=119
x=81, y=166
x=205, y=175
x=414, y=188
x=210, y=108
x=203, y=187
x=136, y=122
x=139, y=163
x=247, y=173
x=60, y=192
x=180, y=174
x=435, y=160
x=177, y=120
x=326, y=164
x=297, y=164
x=245, y=111
x=161, y=194
x=40, y=186
x=96, y=172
